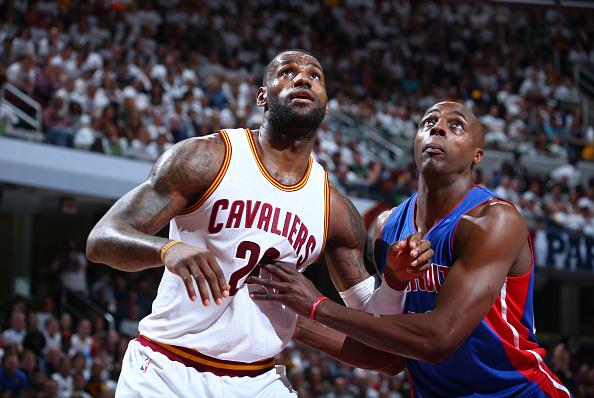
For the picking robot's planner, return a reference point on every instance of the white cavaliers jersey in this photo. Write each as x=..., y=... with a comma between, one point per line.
x=245, y=218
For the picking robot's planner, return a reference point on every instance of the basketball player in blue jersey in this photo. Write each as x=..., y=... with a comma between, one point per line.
x=236, y=200
x=468, y=327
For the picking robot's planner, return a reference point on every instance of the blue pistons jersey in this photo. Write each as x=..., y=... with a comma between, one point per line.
x=501, y=357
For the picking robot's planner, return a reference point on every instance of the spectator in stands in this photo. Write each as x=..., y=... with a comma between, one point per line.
x=79, y=366
x=129, y=325
x=11, y=378
x=28, y=364
x=66, y=331
x=38, y=382
x=85, y=136
x=53, y=337
x=82, y=341
x=16, y=333
x=98, y=382
x=56, y=122
x=561, y=362
x=568, y=174
x=64, y=378
x=78, y=388
x=102, y=293
x=22, y=72
x=71, y=263
x=506, y=189
x=53, y=359
x=34, y=340
x=47, y=311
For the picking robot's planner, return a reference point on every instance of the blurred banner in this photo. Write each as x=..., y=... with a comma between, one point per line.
x=563, y=250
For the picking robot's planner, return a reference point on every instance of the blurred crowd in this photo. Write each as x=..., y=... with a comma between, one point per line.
x=562, y=200
x=47, y=352
x=131, y=78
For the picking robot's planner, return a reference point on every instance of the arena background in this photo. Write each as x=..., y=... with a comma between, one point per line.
x=93, y=92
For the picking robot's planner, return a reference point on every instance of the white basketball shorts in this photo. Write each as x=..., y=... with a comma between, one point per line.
x=147, y=373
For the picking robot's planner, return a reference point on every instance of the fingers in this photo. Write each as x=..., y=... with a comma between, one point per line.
x=422, y=247
x=209, y=277
x=221, y=281
x=397, y=247
x=423, y=260
x=414, y=239
x=267, y=283
x=266, y=296
x=201, y=283
x=282, y=271
x=185, y=275
x=214, y=276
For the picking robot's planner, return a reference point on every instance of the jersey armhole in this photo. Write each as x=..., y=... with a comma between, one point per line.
x=326, y=215
x=217, y=180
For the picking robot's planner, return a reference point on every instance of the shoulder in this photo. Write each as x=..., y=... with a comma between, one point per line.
x=494, y=222
x=192, y=162
x=380, y=223
x=378, y=245
x=498, y=210
x=193, y=149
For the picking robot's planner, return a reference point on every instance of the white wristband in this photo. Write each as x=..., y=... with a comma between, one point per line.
x=386, y=301
x=359, y=295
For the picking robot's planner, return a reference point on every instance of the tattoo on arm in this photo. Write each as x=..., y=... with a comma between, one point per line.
x=346, y=243
x=190, y=170
x=352, y=267
x=123, y=238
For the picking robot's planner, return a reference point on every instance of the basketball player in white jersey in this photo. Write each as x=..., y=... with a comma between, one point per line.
x=236, y=200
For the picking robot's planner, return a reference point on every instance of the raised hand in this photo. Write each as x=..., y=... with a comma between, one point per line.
x=191, y=262
x=407, y=259
x=289, y=287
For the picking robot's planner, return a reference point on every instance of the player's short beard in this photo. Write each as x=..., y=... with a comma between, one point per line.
x=283, y=117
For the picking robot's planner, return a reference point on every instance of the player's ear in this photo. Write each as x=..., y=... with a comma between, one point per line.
x=327, y=110
x=261, y=98
x=478, y=156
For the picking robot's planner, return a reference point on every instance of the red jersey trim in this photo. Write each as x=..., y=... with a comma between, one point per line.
x=204, y=363
x=217, y=181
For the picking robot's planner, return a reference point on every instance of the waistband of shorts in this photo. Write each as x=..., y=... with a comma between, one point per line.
x=203, y=363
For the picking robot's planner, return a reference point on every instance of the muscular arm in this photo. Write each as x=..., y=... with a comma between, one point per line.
x=346, y=349
x=488, y=246
x=123, y=238
x=345, y=243
x=377, y=243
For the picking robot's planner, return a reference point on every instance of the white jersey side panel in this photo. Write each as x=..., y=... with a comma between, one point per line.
x=248, y=219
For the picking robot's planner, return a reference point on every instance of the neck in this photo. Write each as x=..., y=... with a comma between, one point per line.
x=285, y=136
x=285, y=151
x=438, y=194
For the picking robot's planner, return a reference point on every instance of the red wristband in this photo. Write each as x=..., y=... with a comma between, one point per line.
x=395, y=284
x=312, y=311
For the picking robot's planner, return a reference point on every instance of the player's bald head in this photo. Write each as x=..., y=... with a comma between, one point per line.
x=474, y=125
x=286, y=56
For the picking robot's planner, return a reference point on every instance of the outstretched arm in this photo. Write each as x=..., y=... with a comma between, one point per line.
x=486, y=245
x=346, y=349
x=124, y=239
